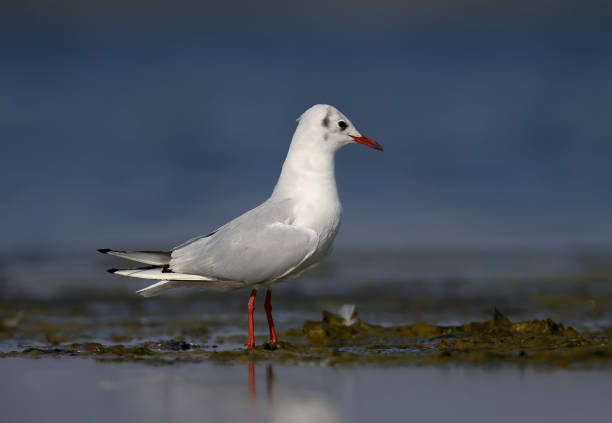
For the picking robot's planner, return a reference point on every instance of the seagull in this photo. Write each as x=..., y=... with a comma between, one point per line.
x=288, y=234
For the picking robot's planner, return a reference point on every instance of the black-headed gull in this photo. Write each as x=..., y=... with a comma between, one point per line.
x=289, y=233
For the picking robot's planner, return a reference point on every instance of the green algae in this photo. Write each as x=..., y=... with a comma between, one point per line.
x=334, y=341
x=88, y=349
x=494, y=340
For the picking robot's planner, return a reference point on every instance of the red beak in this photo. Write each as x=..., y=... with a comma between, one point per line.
x=367, y=141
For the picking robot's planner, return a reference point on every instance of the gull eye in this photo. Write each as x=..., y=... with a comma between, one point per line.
x=342, y=124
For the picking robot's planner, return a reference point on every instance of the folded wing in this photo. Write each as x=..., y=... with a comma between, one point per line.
x=261, y=245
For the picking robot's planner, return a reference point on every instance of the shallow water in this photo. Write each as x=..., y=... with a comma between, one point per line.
x=83, y=390
x=68, y=328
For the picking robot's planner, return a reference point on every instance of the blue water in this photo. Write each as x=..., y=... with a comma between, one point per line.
x=69, y=390
x=495, y=134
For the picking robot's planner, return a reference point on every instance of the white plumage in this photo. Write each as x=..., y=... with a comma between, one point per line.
x=290, y=232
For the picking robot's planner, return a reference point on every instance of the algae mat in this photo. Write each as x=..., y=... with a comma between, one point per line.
x=333, y=340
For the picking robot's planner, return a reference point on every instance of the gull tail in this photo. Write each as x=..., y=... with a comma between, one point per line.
x=156, y=288
x=168, y=279
x=156, y=258
x=211, y=285
x=159, y=269
x=155, y=272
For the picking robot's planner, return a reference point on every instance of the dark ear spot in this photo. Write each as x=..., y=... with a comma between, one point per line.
x=326, y=121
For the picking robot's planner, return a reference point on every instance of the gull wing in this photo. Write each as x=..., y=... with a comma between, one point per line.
x=259, y=246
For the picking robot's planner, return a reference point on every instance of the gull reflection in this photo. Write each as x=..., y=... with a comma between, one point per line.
x=253, y=396
x=291, y=405
x=269, y=384
x=206, y=392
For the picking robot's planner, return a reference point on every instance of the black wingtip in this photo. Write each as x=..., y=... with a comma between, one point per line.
x=112, y=270
x=104, y=250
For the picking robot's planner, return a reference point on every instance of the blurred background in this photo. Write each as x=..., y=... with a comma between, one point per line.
x=137, y=125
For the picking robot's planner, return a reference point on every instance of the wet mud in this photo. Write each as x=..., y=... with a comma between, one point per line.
x=331, y=340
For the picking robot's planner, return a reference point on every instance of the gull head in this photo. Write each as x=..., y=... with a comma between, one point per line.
x=325, y=127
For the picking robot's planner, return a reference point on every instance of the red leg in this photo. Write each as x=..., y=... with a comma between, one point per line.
x=268, y=308
x=250, y=343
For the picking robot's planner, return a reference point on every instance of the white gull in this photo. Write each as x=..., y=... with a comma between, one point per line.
x=289, y=233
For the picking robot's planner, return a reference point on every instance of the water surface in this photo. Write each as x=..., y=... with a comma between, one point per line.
x=76, y=390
